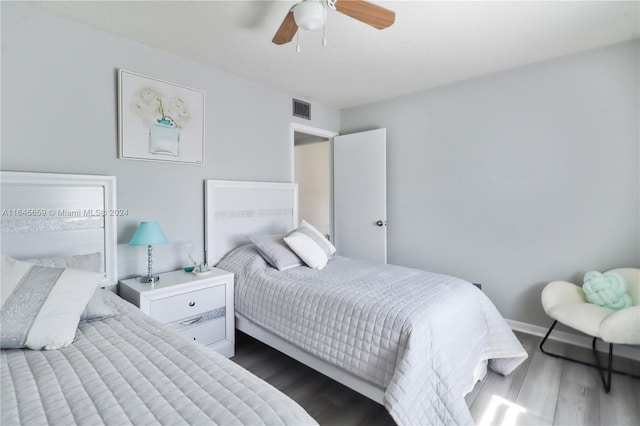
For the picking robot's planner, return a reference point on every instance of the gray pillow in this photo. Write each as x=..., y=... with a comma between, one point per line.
x=91, y=262
x=99, y=306
x=275, y=251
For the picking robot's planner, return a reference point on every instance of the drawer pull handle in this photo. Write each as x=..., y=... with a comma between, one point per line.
x=192, y=303
x=191, y=321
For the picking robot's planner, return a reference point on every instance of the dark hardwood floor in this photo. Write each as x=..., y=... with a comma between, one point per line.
x=542, y=391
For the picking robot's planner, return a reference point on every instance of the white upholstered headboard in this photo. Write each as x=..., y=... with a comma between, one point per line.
x=235, y=209
x=53, y=215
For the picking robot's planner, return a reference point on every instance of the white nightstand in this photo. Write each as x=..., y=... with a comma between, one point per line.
x=197, y=306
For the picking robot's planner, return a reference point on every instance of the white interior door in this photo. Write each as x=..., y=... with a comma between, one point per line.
x=360, y=195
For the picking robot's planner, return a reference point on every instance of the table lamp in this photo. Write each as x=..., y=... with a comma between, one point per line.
x=148, y=234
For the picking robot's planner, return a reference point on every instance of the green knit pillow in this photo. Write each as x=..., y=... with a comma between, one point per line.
x=608, y=290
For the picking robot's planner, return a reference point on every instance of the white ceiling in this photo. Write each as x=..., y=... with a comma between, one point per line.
x=431, y=43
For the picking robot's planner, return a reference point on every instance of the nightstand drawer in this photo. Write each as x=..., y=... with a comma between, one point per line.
x=200, y=307
x=188, y=304
x=208, y=332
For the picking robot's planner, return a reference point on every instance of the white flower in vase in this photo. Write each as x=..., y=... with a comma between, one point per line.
x=148, y=105
x=163, y=118
x=178, y=111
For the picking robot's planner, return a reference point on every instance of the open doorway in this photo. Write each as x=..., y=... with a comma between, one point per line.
x=312, y=171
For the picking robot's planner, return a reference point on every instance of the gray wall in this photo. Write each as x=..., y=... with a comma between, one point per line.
x=59, y=114
x=511, y=180
x=518, y=178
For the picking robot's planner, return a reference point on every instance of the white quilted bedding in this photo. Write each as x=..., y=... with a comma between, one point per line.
x=417, y=334
x=130, y=369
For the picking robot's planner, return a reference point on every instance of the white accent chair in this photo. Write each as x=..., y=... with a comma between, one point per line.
x=566, y=303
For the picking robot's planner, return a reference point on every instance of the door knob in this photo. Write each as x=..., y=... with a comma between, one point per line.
x=381, y=222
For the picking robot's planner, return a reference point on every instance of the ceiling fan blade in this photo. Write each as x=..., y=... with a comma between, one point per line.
x=287, y=30
x=369, y=13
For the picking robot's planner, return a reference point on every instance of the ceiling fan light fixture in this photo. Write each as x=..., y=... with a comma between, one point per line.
x=309, y=15
x=312, y=14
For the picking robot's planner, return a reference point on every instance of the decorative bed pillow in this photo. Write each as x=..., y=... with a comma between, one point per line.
x=309, y=251
x=275, y=251
x=87, y=262
x=41, y=306
x=317, y=236
x=99, y=306
x=608, y=290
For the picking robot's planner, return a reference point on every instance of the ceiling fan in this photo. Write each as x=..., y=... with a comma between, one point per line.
x=311, y=15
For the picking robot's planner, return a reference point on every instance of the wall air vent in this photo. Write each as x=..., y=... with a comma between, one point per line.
x=301, y=109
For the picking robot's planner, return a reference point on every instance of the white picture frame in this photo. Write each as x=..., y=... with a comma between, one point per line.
x=159, y=120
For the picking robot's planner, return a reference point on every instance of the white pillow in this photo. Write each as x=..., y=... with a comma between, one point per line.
x=41, y=306
x=307, y=249
x=98, y=306
x=321, y=240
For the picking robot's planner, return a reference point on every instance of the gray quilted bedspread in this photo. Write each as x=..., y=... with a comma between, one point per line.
x=131, y=370
x=416, y=334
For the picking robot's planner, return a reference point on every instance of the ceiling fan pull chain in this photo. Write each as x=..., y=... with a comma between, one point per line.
x=298, y=42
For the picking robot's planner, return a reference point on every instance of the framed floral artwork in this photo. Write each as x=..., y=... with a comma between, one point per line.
x=159, y=120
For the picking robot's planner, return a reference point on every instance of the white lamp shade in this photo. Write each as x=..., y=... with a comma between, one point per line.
x=309, y=15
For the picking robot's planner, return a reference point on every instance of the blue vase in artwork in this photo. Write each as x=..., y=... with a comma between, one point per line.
x=163, y=138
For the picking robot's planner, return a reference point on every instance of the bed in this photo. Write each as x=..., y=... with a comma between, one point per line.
x=119, y=366
x=412, y=340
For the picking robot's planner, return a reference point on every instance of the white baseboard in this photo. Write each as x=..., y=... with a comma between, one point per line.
x=631, y=352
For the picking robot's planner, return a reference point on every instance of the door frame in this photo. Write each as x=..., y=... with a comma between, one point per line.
x=315, y=131
x=297, y=127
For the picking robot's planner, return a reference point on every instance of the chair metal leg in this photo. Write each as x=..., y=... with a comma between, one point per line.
x=545, y=339
x=606, y=383
x=609, y=369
